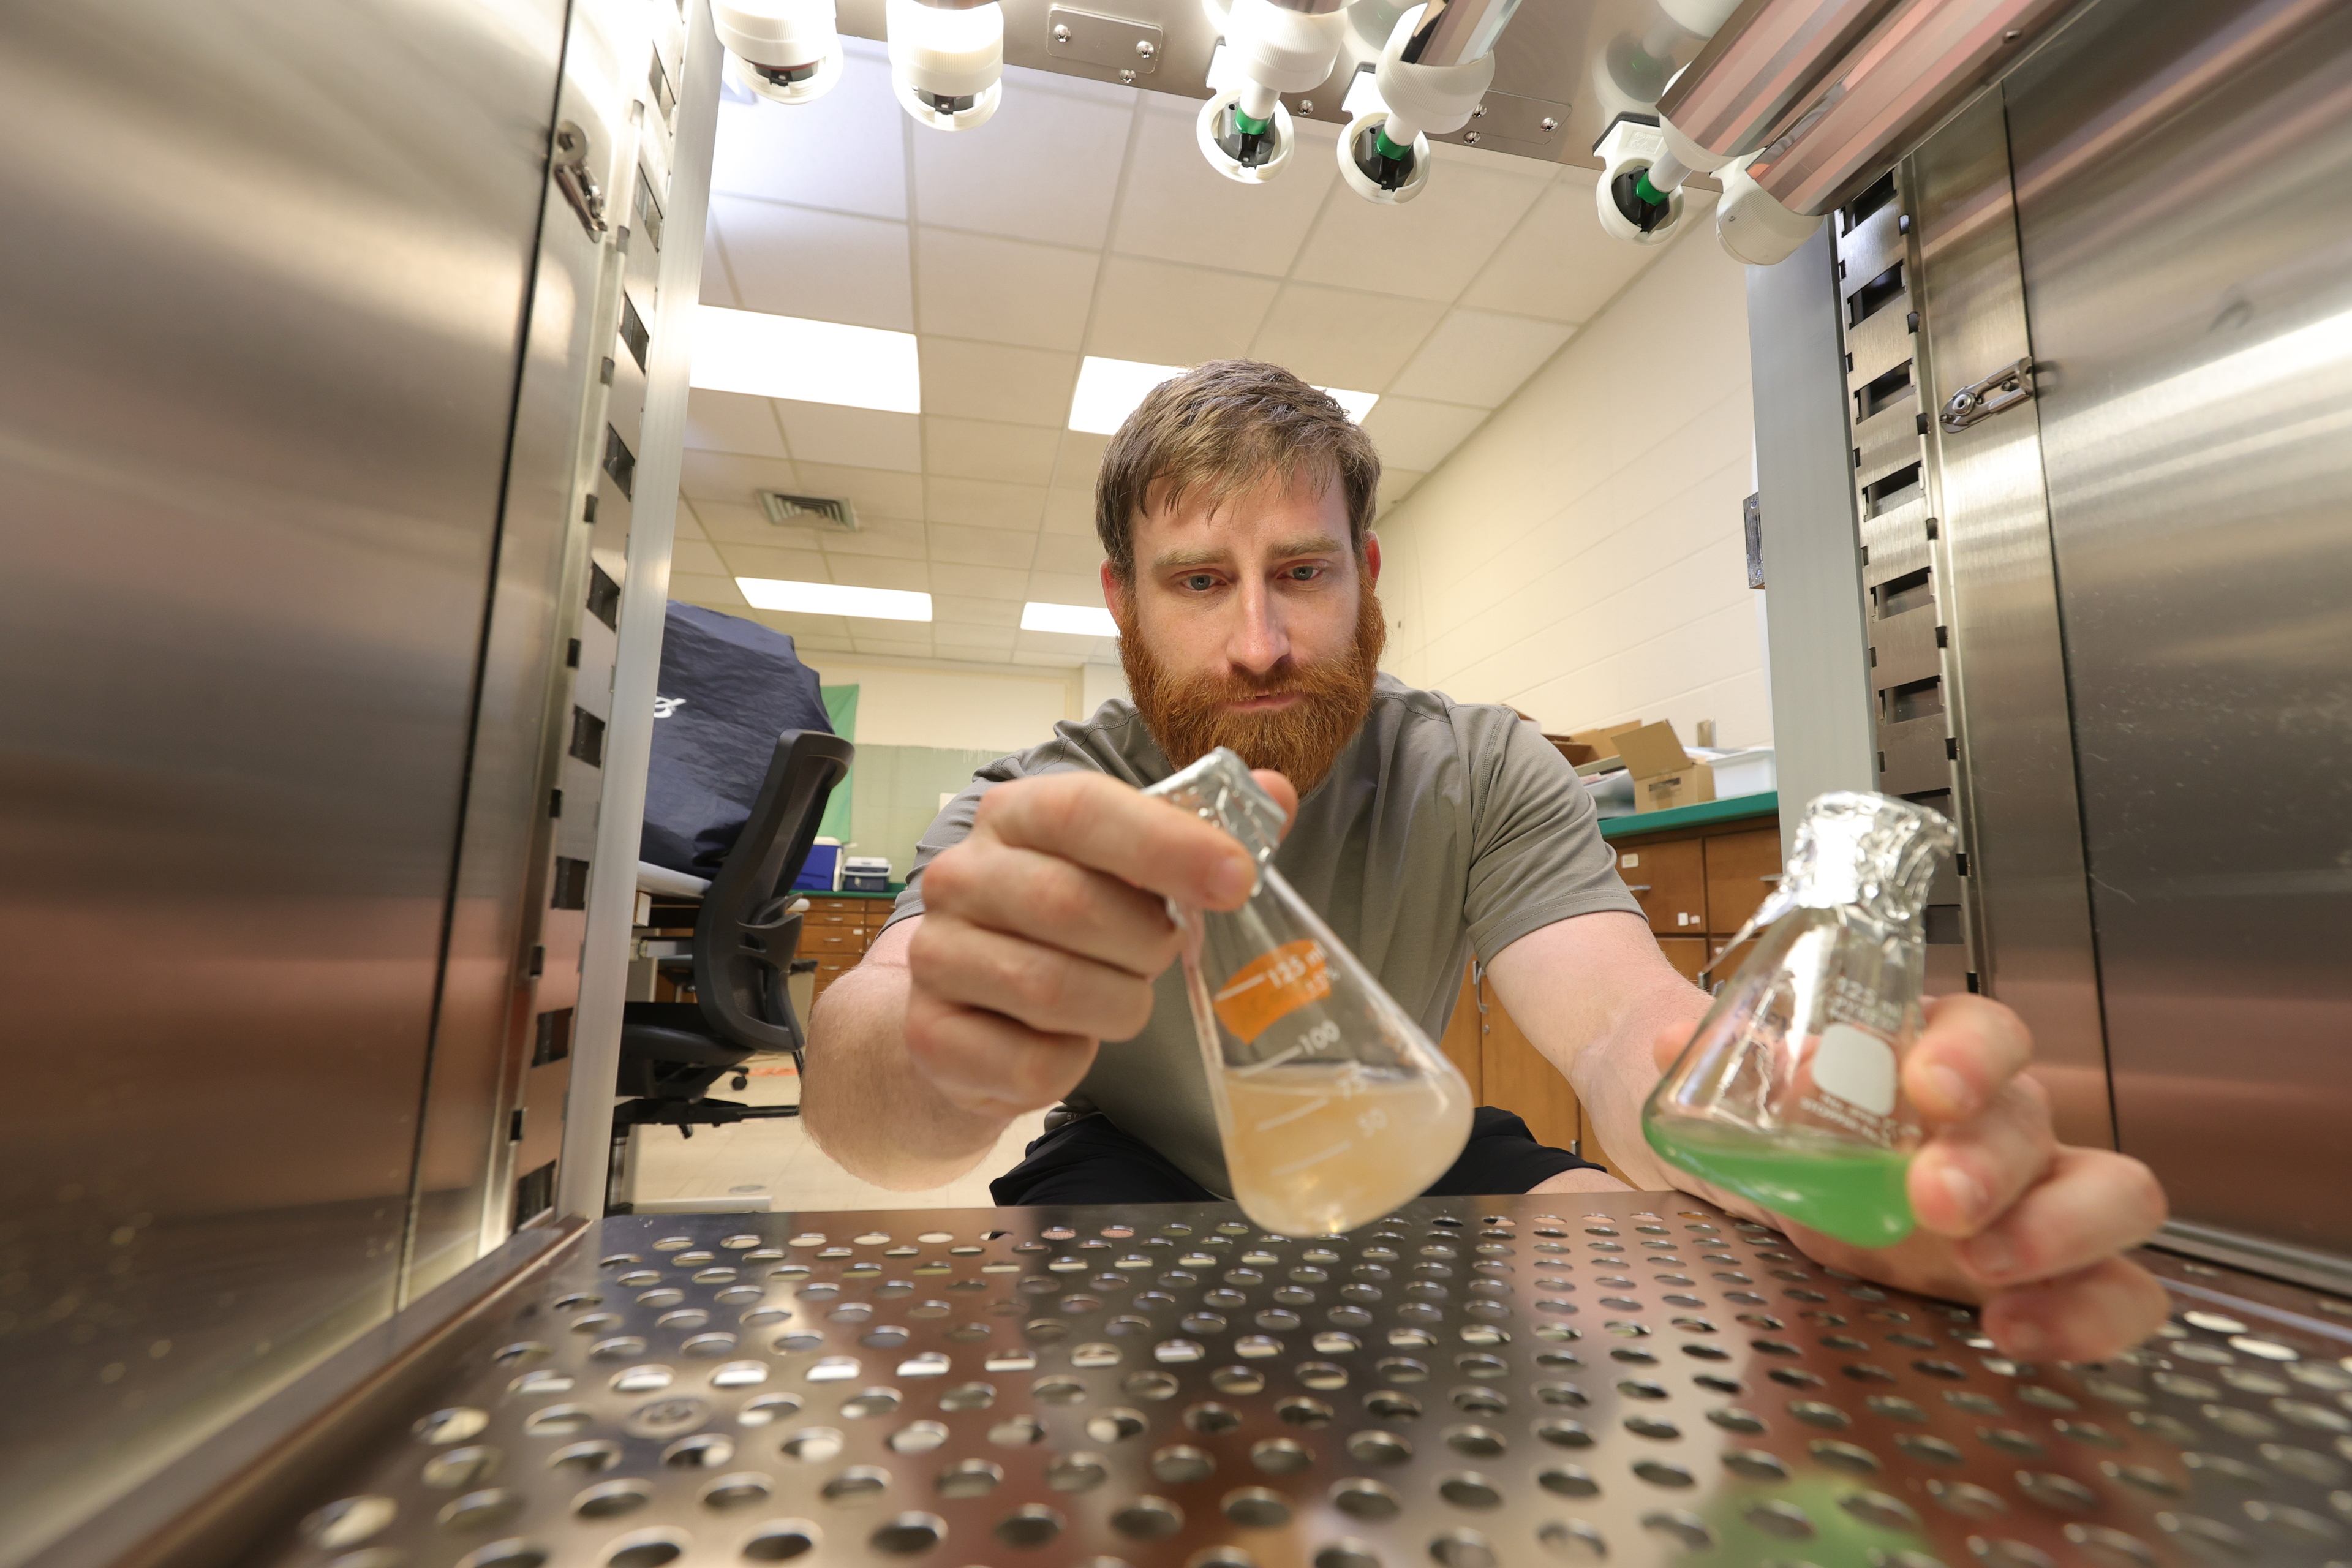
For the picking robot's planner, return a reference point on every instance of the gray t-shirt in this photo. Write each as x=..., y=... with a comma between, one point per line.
x=1443, y=827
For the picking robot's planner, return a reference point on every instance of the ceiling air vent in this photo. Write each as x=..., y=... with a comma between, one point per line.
x=808, y=511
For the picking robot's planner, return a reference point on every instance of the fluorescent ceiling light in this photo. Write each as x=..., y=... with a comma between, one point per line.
x=835, y=599
x=809, y=361
x=1108, y=390
x=1078, y=620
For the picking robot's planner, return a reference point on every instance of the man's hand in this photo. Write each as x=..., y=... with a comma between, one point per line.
x=1043, y=930
x=2008, y=1216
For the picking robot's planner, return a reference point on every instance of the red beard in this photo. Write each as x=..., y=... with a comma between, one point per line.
x=1189, y=716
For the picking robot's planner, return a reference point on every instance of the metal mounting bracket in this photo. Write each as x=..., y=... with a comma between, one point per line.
x=1115, y=42
x=2003, y=389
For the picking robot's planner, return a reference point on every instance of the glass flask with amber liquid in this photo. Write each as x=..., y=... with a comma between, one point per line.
x=1790, y=1092
x=1333, y=1106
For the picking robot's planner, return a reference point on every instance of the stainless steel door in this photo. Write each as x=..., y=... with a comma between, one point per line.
x=2184, y=200
x=263, y=285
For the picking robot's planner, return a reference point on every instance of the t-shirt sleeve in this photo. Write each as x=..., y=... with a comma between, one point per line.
x=1537, y=854
x=947, y=829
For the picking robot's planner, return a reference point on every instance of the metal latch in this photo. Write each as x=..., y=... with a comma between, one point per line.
x=2003, y=389
x=573, y=178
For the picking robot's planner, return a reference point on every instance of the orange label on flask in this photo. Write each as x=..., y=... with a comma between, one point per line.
x=1271, y=985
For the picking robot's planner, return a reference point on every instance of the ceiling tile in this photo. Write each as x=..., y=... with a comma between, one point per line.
x=829, y=266
x=846, y=150
x=1079, y=459
x=1417, y=436
x=882, y=572
x=1067, y=552
x=1429, y=247
x=730, y=476
x=767, y=561
x=732, y=422
x=1163, y=312
x=1558, y=264
x=1067, y=588
x=1045, y=167
x=1070, y=511
x=983, y=503
x=888, y=536
x=853, y=437
x=954, y=640
x=694, y=557
x=1002, y=291
x=871, y=492
x=982, y=582
x=726, y=522
x=1177, y=208
x=982, y=546
x=1340, y=337
x=1478, y=357
x=994, y=614
x=983, y=449
x=1058, y=647
x=892, y=638
x=993, y=381
x=718, y=593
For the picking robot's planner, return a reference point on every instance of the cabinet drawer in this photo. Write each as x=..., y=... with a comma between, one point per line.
x=1725, y=959
x=822, y=943
x=833, y=905
x=831, y=920
x=1741, y=868
x=1670, y=880
x=1686, y=953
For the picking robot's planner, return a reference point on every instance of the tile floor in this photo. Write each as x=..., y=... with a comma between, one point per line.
x=779, y=1158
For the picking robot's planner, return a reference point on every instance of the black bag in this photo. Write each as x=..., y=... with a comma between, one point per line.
x=729, y=688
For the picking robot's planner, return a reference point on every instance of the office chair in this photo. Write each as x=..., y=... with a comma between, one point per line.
x=744, y=939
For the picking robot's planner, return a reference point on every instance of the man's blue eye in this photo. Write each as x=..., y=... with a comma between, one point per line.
x=1200, y=580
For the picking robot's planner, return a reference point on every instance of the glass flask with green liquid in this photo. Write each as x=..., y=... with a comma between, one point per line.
x=1790, y=1093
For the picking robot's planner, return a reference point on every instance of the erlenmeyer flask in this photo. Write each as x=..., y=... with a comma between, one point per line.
x=1790, y=1092
x=1333, y=1105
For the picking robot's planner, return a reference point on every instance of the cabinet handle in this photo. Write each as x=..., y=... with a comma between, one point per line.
x=1776, y=876
x=1637, y=886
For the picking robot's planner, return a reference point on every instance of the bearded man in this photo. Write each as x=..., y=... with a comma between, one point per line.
x=1029, y=961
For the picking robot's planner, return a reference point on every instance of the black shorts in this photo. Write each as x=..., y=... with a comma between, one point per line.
x=1093, y=1161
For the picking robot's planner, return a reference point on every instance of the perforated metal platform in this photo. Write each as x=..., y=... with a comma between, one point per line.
x=1473, y=1382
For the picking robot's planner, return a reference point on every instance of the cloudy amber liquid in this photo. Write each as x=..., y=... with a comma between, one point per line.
x=1314, y=1149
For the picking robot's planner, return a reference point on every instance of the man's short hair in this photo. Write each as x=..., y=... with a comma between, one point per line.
x=1222, y=429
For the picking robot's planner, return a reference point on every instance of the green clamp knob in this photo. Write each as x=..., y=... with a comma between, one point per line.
x=1247, y=126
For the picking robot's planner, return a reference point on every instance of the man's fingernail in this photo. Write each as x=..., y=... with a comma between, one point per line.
x=1968, y=1194
x=1952, y=1090
x=1992, y=1257
x=1231, y=879
x=2023, y=1341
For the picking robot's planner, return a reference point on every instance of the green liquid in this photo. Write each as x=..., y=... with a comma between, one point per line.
x=1849, y=1191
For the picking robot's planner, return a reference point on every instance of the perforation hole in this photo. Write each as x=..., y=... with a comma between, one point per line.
x=1179, y=1463
x=783, y=1543
x=1378, y=1448
x=1149, y=1519
x=1360, y=1496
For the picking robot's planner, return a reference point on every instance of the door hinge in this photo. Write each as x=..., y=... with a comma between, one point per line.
x=2002, y=390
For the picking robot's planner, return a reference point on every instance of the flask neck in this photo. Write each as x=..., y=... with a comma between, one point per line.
x=1219, y=788
x=1866, y=851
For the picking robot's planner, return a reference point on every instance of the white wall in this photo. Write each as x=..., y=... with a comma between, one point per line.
x=1097, y=684
x=969, y=710
x=1581, y=556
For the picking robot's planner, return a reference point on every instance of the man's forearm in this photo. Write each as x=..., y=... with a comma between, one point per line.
x=864, y=1102
x=1614, y=1074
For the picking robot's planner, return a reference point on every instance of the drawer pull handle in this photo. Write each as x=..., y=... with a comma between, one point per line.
x=1637, y=886
x=1774, y=878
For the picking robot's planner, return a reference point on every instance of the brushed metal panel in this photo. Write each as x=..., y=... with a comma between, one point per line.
x=1876, y=344
x=1905, y=648
x=1812, y=583
x=2019, y=815
x=1886, y=441
x=2189, y=286
x=1870, y=247
x=1913, y=758
x=263, y=288
x=513, y=953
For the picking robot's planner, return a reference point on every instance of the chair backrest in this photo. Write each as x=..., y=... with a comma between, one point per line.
x=743, y=939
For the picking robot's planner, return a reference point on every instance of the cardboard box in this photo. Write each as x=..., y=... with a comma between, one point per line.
x=1582, y=746
x=1663, y=774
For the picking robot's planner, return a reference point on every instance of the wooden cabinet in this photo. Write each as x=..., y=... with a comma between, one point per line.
x=1670, y=880
x=1504, y=1068
x=1688, y=954
x=1741, y=868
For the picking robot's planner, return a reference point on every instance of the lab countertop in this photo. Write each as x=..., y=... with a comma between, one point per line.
x=1738, y=807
